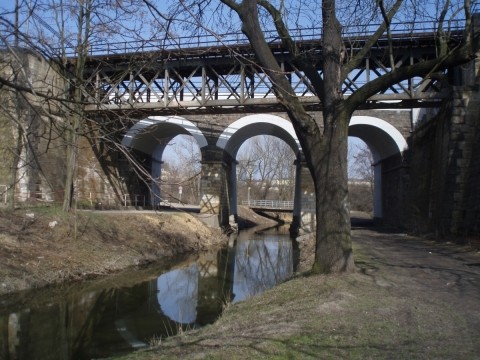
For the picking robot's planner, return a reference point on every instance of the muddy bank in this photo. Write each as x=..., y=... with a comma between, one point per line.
x=247, y=218
x=44, y=246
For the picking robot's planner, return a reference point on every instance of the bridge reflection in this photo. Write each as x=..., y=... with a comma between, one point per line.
x=100, y=322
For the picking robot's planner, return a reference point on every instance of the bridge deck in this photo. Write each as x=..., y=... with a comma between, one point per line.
x=221, y=75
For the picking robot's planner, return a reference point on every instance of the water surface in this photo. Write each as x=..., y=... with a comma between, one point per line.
x=119, y=314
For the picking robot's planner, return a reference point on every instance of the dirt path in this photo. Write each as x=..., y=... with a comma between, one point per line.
x=443, y=271
x=426, y=265
x=409, y=299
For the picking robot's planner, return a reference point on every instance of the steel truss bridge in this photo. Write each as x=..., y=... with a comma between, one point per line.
x=220, y=75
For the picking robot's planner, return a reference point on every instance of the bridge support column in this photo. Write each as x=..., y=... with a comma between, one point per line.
x=377, y=192
x=297, y=201
x=214, y=201
x=304, y=202
x=156, y=176
x=233, y=190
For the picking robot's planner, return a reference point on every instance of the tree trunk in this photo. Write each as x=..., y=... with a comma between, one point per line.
x=333, y=252
x=71, y=163
x=18, y=136
x=325, y=149
x=83, y=23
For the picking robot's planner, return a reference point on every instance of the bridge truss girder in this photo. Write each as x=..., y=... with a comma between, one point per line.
x=228, y=80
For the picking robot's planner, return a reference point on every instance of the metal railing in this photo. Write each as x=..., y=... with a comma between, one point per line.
x=269, y=204
x=404, y=30
x=106, y=201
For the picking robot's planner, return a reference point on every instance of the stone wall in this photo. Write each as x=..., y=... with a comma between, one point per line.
x=213, y=125
x=394, y=188
x=214, y=202
x=32, y=167
x=444, y=177
x=401, y=119
x=32, y=139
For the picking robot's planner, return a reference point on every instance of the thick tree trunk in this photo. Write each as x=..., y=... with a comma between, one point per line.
x=333, y=252
x=83, y=23
x=325, y=151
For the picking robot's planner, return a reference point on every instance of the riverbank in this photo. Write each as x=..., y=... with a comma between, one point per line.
x=44, y=246
x=409, y=299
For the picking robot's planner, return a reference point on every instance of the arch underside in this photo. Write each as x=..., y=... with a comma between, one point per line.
x=253, y=125
x=151, y=135
x=383, y=139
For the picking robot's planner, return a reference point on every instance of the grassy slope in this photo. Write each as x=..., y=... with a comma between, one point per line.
x=397, y=306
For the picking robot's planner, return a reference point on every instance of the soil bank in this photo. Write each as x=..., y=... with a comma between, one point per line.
x=43, y=246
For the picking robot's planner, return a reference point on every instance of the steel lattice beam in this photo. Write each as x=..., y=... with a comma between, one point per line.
x=228, y=80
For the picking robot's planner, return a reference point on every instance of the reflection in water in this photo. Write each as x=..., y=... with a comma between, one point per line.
x=177, y=293
x=260, y=264
x=111, y=321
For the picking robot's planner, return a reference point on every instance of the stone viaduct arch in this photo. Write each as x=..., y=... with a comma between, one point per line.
x=151, y=135
x=384, y=141
x=219, y=198
x=252, y=125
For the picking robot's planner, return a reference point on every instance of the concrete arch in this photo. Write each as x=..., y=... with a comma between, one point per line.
x=383, y=139
x=151, y=135
x=259, y=124
x=246, y=127
x=146, y=133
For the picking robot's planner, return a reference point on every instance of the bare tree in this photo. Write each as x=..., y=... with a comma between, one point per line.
x=360, y=162
x=361, y=176
x=186, y=172
x=60, y=33
x=266, y=163
x=324, y=140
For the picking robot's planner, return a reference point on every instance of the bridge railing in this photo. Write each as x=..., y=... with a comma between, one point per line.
x=269, y=204
x=406, y=30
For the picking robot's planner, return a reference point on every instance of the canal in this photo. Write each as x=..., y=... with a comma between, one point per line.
x=118, y=314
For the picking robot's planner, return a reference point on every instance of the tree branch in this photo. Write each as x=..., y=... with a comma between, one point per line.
x=386, y=21
x=299, y=59
x=455, y=57
x=358, y=58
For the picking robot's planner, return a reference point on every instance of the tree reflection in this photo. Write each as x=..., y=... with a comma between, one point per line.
x=261, y=264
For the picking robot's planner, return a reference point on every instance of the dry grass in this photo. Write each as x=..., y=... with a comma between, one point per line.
x=85, y=244
x=400, y=304
x=409, y=299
